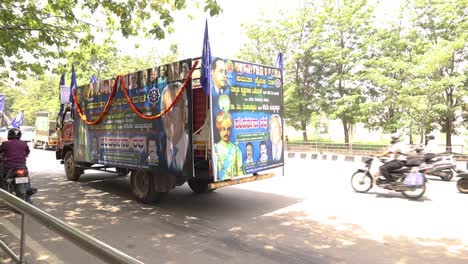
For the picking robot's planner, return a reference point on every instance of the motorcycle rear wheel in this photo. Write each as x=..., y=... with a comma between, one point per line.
x=449, y=176
x=361, y=181
x=416, y=193
x=462, y=185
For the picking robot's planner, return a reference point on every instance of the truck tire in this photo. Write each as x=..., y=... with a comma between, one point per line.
x=142, y=186
x=122, y=171
x=199, y=187
x=72, y=172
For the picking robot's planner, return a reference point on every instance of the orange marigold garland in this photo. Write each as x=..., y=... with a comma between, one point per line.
x=103, y=113
x=179, y=94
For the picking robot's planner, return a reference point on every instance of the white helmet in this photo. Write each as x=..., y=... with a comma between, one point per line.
x=396, y=137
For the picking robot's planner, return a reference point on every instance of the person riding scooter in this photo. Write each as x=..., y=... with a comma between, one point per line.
x=430, y=148
x=395, y=161
x=14, y=153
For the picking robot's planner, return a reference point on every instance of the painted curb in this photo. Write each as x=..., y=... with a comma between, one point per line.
x=462, y=165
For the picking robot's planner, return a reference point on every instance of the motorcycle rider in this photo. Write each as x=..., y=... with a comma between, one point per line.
x=431, y=147
x=14, y=152
x=395, y=152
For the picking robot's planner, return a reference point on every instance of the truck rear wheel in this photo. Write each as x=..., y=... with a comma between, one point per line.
x=122, y=171
x=199, y=187
x=142, y=186
x=72, y=172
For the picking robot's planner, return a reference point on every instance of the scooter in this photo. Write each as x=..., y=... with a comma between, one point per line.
x=443, y=166
x=17, y=181
x=462, y=183
x=407, y=180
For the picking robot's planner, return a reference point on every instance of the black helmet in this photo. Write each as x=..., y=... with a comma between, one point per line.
x=14, y=133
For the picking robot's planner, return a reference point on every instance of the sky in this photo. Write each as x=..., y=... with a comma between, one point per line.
x=225, y=31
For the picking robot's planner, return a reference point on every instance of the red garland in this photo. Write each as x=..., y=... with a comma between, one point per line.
x=104, y=112
x=179, y=94
x=129, y=100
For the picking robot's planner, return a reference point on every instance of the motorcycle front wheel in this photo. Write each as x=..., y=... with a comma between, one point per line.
x=361, y=181
x=415, y=193
x=462, y=185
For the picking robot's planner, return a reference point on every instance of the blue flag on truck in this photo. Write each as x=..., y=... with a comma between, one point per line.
x=72, y=86
x=206, y=62
x=279, y=63
x=94, y=79
x=18, y=120
x=62, y=83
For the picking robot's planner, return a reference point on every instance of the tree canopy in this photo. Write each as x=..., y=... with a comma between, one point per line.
x=34, y=33
x=408, y=74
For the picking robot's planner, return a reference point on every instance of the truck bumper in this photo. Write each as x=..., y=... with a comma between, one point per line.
x=258, y=177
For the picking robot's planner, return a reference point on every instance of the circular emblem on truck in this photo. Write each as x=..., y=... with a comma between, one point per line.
x=154, y=95
x=277, y=83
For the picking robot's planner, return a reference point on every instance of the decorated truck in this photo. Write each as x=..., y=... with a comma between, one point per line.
x=164, y=128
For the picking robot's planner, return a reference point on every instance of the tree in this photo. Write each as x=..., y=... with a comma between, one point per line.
x=444, y=26
x=97, y=59
x=44, y=91
x=296, y=37
x=347, y=24
x=397, y=98
x=33, y=33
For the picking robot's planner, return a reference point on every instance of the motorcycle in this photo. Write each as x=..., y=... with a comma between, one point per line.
x=16, y=181
x=443, y=166
x=462, y=184
x=409, y=180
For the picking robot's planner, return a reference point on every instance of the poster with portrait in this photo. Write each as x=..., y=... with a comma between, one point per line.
x=125, y=139
x=247, y=115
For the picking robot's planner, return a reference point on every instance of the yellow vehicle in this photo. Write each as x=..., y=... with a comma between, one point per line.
x=46, y=134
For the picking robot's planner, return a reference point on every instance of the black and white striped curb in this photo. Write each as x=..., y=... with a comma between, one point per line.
x=461, y=165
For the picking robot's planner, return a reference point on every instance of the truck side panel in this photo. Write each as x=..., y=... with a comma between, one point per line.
x=124, y=139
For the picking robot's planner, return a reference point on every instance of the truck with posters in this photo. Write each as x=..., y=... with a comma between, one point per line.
x=164, y=128
x=45, y=128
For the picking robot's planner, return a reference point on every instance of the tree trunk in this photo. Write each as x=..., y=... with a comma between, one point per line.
x=304, y=130
x=448, y=135
x=346, y=130
x=411, y=134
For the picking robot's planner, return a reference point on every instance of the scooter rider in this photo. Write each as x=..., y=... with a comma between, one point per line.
x=14, y=151
x=396, y=159
x=430, y=148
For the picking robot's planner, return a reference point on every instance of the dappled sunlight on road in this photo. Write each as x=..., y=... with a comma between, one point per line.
x=311, y=215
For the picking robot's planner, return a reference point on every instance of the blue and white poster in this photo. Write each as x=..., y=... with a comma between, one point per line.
x=247, y=117
x=124, y=138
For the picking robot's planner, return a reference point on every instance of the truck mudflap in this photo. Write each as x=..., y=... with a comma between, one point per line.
x=58, y=154
x=257, y=177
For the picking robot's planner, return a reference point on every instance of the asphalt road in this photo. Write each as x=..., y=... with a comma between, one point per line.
x=310, y=215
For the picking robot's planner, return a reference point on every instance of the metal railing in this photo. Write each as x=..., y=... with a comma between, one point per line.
x=363, y=149
x=93, y=246
x=354, y=148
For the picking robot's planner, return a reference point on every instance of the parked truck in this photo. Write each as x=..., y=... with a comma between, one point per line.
x=45, y=131
x=164, y=128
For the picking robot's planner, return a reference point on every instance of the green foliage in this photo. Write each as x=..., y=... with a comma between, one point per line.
x=443, y=25
x=35, y=94
x=33, y=33
x=407, y=75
